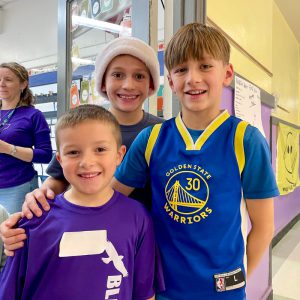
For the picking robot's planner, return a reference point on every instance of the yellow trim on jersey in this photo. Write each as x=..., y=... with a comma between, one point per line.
x=151, y=141
x=239, y=144
x=189, y=143
x=211, y=128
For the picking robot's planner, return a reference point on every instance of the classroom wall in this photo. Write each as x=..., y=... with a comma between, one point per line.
x=249, y=24
x=264, y=49
x=286, y=67
x=269, y=40
x=299, y=90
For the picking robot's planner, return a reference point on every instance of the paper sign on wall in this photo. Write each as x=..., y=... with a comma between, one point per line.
x=287, y=168
x=247, y=103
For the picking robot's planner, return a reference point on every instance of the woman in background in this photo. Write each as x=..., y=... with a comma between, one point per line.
x=24, y=137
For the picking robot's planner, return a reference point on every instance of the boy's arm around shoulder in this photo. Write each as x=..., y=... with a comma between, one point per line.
x=13, y=238
x=120, y=187
x=50, y=187
x=133, y=171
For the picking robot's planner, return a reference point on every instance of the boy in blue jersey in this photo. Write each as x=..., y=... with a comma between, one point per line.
x=208, y=171
x=94, y=243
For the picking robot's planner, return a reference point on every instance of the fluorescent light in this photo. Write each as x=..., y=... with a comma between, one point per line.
x=92, y=23
x=82, y=61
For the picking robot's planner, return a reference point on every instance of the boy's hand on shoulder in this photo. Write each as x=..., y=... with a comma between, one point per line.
x=12, y=237
x=40, y=196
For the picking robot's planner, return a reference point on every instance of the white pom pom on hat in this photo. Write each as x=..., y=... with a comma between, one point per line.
x=131, y=46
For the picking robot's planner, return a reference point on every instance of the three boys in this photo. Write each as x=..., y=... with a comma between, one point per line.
x=200, y=165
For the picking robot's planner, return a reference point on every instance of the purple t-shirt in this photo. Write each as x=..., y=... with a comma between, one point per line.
x=27, y=127
x=75, y=252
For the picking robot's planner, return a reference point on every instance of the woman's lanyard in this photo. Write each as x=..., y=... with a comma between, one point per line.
x=7, y=118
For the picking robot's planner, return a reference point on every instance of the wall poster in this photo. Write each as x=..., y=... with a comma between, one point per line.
x=287, y=164
x=247, y=103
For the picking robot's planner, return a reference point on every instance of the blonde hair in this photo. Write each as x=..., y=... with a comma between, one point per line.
x=194, y=40
x=26, y=97
x=88, y=112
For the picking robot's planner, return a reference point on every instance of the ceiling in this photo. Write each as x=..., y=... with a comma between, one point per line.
x=4, y=2
x=289, y=8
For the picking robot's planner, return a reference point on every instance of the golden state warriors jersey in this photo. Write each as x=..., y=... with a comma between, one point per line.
x=198, y=208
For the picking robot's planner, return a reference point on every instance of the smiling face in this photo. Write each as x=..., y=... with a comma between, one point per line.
x=199, y=85
x=127, y=84
x=10, y=87
x=89, y=155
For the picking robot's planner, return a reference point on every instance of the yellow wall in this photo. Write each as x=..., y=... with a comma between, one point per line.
x=249, y=24
x=299, y=92
x=264, y=50
x=285, y=82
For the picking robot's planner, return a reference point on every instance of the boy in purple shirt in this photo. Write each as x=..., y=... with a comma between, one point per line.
x=94, y=243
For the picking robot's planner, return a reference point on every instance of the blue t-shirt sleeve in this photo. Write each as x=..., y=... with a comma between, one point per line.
x=133, y=170
x=54, y=169
x=258, y=178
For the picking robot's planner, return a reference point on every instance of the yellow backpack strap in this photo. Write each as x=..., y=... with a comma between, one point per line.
x=239, y=144
x=151, y=141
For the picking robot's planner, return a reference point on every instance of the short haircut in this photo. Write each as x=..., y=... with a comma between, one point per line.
x=194, y=40
x=86, y=112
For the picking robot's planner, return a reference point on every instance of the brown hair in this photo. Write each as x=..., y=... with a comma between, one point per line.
x=88, y=112
x=192, y=41
x=26, y=97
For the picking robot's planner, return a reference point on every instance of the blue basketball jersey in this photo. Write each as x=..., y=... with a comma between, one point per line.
x=198, y=207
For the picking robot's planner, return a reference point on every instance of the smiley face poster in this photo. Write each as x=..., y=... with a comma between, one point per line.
x=287, y=171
